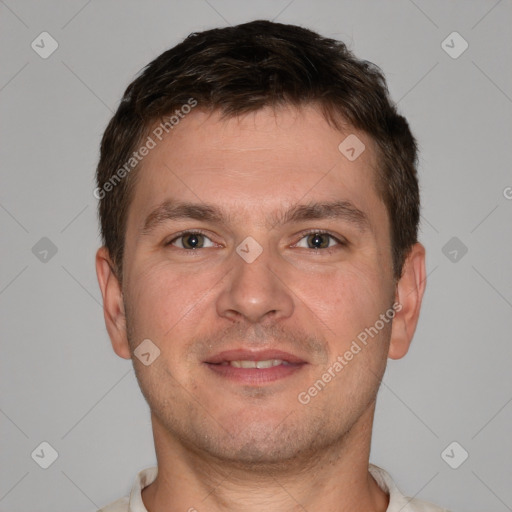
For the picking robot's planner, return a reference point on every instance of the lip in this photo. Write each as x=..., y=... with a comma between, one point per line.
x=254, y=376
x=253, y=355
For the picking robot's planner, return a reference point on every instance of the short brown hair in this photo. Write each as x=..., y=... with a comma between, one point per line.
x=241, y=69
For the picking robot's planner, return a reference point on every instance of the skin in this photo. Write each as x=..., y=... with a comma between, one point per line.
x=222, y=445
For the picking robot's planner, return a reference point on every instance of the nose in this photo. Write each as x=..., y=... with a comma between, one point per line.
x=255, y=292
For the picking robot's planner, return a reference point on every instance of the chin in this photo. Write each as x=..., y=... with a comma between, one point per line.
x=267, y=444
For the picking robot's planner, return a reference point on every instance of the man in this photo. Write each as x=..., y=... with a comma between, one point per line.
x=259, y=208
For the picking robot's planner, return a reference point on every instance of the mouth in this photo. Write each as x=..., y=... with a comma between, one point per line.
x=254, y=367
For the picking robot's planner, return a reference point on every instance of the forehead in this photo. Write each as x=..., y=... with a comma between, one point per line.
x=257, y=163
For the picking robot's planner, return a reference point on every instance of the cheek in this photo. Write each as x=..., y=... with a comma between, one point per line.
x=352, y=302
x=348, y=304
x=167, y=308
x=163, y=301
x=346, y=300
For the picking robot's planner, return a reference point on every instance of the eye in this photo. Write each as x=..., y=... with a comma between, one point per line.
x=191, y=240
x=319, y=240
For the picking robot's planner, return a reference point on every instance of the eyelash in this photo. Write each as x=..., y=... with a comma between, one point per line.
x=328, y=250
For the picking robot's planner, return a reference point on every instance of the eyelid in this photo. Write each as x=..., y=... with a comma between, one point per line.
x=181, y=234
x=342, y=241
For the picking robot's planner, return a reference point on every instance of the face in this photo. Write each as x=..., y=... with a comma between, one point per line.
x=256, y=255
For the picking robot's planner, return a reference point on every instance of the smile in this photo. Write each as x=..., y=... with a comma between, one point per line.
x=255, y=364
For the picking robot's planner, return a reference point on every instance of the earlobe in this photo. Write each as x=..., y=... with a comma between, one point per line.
x=113, y=306
x=409, y=294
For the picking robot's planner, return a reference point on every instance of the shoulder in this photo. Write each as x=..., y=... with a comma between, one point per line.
x=120, y=505
x=133, y=502
x=414, y=505
x=397, y=500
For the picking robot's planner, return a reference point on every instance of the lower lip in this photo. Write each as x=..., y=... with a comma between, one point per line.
x=255, y=376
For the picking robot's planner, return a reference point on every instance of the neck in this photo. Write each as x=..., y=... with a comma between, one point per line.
x=333, y=479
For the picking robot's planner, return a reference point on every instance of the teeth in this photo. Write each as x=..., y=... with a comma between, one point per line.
x=256, y=364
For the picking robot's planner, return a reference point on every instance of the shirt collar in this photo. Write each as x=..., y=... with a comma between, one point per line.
x=144, y=478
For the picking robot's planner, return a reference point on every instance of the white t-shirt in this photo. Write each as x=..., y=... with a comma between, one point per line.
x=397, y=501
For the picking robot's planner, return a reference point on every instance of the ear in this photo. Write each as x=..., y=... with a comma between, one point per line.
x=113, y=306
x=409, y=294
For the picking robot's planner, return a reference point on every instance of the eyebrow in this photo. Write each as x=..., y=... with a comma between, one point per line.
x=177, y=210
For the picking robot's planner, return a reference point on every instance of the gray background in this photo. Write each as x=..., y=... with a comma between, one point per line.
x=61, y=381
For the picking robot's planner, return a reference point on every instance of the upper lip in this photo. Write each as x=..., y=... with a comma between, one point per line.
x=253, y=355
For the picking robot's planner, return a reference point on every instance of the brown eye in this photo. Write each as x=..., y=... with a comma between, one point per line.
x=318, y=241
x=191, y=240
